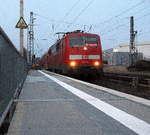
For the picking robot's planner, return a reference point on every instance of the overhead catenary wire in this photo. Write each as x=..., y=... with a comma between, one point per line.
x=123, y=18
x=95, y=26
x=82, y=25
x=80, y=13
x=59, y=21
x=118, y=15
x=123, y=12
x=125, y=24
x=74, y=5
x=69, y=11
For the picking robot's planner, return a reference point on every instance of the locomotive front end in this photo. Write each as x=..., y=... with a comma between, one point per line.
x=84, y=53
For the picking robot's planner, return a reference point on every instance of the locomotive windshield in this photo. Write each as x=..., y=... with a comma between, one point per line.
x=79, y=41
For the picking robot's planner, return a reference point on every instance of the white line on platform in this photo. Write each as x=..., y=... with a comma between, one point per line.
x=43, y=100
x=111, y=91
x=138, y=126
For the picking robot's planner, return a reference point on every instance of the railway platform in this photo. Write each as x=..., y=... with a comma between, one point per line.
x=51, y=104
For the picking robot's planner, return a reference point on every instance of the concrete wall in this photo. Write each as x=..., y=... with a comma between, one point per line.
x=13, y=71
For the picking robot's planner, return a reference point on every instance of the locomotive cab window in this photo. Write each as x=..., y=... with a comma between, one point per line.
x=91, y=41
x=76, y=41
x=80, y=41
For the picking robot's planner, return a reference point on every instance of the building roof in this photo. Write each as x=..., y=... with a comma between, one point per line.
x=136, y=44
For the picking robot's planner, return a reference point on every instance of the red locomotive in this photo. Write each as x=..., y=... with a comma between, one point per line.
x=75, y=52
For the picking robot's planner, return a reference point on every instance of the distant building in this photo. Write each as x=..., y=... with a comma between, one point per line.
x=119, y=55
x=142, y=47
x=106, y=54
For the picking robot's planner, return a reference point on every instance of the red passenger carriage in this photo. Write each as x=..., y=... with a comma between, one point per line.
x=75, y=52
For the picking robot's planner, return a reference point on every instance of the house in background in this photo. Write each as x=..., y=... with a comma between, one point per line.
x=119, y=55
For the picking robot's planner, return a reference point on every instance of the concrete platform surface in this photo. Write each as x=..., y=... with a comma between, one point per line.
x=51, y=104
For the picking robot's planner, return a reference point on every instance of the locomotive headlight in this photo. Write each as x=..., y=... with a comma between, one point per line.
x=96, y=63
x=85, y=48
x=72, y=63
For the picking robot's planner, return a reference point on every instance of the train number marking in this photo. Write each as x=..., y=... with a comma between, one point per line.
x=85, y=57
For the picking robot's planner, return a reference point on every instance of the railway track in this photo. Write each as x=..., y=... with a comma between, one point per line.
x=134, y=79
x=134, y=83
x=137, y=84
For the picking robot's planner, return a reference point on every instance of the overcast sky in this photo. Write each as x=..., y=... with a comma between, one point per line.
x=108, y=18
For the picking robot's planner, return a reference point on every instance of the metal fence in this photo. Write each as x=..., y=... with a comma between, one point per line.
x=13, y=71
